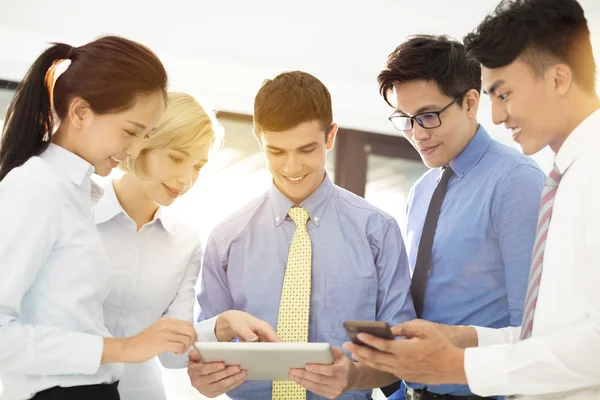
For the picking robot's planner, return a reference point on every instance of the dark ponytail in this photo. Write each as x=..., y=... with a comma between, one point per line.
x=29, y=119
x=108, y=73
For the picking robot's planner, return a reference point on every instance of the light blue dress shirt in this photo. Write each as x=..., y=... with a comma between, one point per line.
x=359, y=268
x=483, y=241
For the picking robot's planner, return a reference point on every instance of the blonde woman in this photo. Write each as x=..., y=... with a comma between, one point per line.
x=155, y=258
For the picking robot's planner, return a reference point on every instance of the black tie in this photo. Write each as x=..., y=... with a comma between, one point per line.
x=423, y=264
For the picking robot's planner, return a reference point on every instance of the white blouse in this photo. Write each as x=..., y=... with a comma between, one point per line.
x=154, y=272
x=54, y=277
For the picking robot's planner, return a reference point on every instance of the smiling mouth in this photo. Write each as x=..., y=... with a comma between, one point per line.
x=114, y=161
x=172, y=192
x=295, y=179
x=515, y=132
x=427, y=150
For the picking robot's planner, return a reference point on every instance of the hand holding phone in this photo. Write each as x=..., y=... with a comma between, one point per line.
x=375, y=328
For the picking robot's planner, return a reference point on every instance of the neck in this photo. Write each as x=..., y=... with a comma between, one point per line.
x=580, y=106
x=63, y=139
x=299, y=201
x=135, y=202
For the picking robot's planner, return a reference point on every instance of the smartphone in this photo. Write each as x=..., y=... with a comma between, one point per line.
x=375, y=328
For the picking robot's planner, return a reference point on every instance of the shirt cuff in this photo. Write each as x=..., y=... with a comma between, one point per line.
x=491, y=336
x=486, y=368
x=206, y=330
x=87, y=350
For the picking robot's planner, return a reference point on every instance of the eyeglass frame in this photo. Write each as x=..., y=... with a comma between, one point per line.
x=413, y=118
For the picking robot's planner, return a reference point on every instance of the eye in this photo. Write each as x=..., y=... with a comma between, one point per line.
x=503, y=96
x=427, y=117
x=276, y=153
x=307, y=151
x=176, y=160
x=132, y=134
x=198, y=167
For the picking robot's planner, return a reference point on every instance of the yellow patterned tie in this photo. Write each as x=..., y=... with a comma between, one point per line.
x=294, y=306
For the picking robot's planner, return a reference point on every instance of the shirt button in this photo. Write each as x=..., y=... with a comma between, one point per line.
x=316, y=219
x=277, y=219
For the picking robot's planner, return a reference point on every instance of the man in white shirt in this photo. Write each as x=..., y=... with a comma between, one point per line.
x=539, y=72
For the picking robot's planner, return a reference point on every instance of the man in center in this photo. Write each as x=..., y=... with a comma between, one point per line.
x=305, y=256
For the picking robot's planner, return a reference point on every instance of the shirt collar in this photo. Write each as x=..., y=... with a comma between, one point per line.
x=578, y=142
x=74, y=167
x=472, y=153
x=109, y=207
x=314, y=204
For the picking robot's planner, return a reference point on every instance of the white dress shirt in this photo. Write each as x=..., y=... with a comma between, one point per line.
x=54, y=276
x=154, y=271
x=562, y=358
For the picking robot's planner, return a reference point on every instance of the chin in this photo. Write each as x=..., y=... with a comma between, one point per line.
x=102, y=171
x=530, y=148
x=431, y=163
x=164, y=202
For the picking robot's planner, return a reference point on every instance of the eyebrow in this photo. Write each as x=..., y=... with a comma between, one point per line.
x=429, y=107
x=306, y=146
x=141, y=126
x=185, y=153
x=494, y=86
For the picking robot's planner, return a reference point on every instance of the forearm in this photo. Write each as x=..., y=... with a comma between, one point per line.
x=369, y=378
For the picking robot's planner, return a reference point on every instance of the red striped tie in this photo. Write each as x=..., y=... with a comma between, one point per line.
x=535, y=274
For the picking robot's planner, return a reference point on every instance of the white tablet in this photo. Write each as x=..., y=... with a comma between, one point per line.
x=266, y=361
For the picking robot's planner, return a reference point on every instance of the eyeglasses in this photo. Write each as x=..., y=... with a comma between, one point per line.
x=427, y=120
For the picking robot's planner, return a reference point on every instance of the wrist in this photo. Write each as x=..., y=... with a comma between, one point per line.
x=456, y=367
x=464, y=336
x=115, y=350
x=354, y=378
x=223, y=331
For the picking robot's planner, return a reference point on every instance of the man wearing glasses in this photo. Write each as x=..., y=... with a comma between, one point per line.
x=471, y=219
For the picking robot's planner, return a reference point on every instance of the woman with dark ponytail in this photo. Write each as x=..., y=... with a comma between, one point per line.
x=54, y=272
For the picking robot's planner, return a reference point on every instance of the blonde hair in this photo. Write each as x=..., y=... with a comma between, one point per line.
x=184, y=124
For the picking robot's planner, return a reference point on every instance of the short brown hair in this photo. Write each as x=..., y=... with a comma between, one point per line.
x=290, y=99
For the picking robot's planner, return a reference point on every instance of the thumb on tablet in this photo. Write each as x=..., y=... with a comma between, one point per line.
x=193, y=356
x=337, y=353
x=247, y=335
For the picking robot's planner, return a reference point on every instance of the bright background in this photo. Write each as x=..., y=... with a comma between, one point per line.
x=221, y=51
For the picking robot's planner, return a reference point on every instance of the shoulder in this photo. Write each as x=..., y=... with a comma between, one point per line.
x=508, y=158
x=36, y=181
x=243, y=216
x=351, y=204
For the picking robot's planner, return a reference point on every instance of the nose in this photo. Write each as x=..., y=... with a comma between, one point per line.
x=419, y=133
x=187, y=177
x=499, y=114
x=292, y=165
x=135, y=148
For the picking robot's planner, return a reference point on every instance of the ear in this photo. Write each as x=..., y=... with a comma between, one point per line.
x=562, y=76
x=79, y=112
x=331, y=135
x=471, y=103
x=258, y=137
